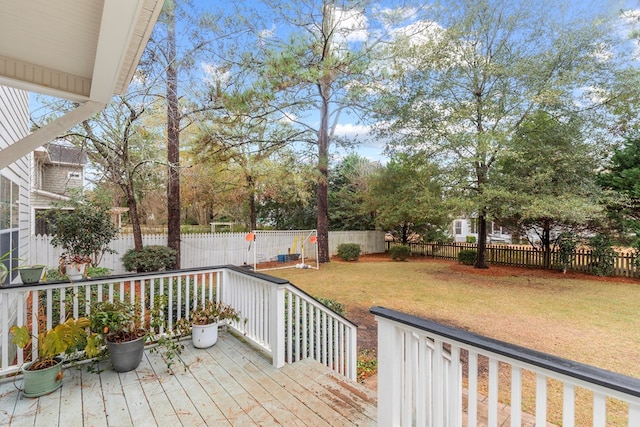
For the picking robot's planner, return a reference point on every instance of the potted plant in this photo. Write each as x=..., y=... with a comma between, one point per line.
x=204, y=322
x=44, y=375
x=83, y=229
x=74, y=266
x=118, y=325
x=31, y=274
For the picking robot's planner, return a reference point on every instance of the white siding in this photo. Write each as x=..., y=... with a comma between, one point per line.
x=14, y=125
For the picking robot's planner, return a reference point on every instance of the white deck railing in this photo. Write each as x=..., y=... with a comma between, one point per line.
x=421, y=379
x=266, y=305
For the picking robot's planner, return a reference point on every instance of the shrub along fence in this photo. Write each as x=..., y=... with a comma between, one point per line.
x=623, y=264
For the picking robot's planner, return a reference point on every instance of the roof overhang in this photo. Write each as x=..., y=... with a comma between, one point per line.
x=83, y=51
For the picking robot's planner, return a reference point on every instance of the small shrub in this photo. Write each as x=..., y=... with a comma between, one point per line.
x=150, y=258
x=603, y=256
x=333, y=305
x=349, y=251
x=471, y=239
x=467, y=256
x=400, y=252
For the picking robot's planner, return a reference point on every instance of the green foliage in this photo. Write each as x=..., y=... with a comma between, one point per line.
x=348, y=182
x=406, y=196
x=623, y=177
x=64, y=338
x=602, y=255
x=567, y=244
x=349, y=251
x=367, y=365
x=400, y=252
x=467, y=256
x=150, y=258
x=84, y=230
x=471, y=239
x=334, y=306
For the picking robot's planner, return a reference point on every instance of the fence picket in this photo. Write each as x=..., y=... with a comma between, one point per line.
x=624, y=263
x=199, y=250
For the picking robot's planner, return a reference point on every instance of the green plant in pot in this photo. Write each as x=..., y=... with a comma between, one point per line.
x=83, y=230
x=120, y=333
x=118, y=325
x=204, y=321
x=44, y=375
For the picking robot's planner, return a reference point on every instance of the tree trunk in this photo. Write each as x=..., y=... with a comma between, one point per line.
x=173, y=140
x=546, y=245
x=132, y=204
x=481, y=262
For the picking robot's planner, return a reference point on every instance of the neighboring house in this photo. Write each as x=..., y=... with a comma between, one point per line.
x=58, y=172
x=14, y=179
x=463, y=227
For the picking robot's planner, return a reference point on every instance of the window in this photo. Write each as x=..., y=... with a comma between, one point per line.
x=489, y=227
x=458, y=227
x=9, y=231
x=473, y=225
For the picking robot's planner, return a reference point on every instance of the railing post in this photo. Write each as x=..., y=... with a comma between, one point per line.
x=277, y=325
x=390, y=347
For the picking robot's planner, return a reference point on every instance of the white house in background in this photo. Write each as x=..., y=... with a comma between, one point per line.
x=463, y=227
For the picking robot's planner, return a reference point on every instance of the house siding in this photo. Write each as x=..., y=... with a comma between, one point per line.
x=56, y=178
x=14, y=125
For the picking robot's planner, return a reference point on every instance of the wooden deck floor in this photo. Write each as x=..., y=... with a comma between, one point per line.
x=227, y=384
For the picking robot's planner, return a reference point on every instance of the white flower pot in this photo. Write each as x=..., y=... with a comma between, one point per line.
x=75, y=271
x=204, y=336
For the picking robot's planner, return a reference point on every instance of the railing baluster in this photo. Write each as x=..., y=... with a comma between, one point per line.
x=48, y=308
x=472, y=391
x=493, y=392
x=541, y=399
x=599, y=410
x=516, y=396
x=297, y=334
x=568, y=405
x=63, y=308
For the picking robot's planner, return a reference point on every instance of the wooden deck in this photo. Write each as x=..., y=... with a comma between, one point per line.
x=227, y=384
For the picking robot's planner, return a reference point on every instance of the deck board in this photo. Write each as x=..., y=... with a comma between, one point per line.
x=227, y=384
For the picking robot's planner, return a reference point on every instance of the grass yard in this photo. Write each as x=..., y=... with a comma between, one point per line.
x=584, y=318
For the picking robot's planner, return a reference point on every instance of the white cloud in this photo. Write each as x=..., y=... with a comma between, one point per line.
x=215, y=74
x=350, y=26
x=359, y=133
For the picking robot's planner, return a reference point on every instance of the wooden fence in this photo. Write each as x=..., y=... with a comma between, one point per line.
x=624, y=264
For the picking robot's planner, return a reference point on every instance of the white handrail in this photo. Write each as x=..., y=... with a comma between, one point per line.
x=265, y=304
x=418, y=386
